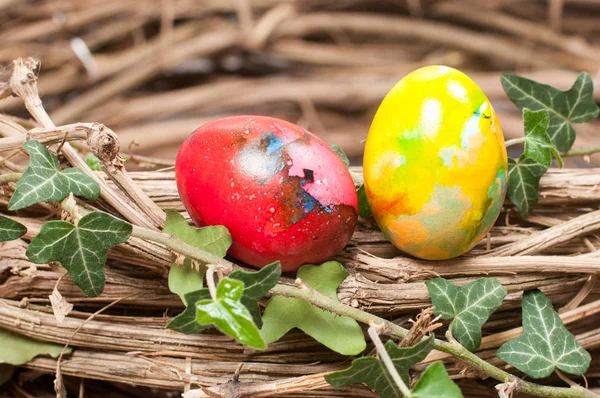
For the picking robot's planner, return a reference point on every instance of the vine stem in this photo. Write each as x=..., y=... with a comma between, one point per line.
x=515, y=141
x=11, y=177
x=568, y=154
x=385, y=358
x=210, y=282
x=580, y=152
x=179, y=246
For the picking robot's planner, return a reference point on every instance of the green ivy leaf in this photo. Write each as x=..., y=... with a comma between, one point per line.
x=340, y=153
x=80, y=249
x=184, y=279
x=10, y=229
x=229, y=315
x=338, y=333
x=538, y=145
x=523, y=183
x=43, y=181
x=373, y=373
x=575, y=105
x=257, y=284
x=435, y=383
x=364, y=210
x=470, y=305
x=545, y=343
x=93, y=162
x=216, y=240
x=16, y=349
x=186, y=322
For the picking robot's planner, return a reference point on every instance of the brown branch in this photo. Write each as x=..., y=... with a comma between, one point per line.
x=71, y=132
x=104, y=143
x=578, y=226
x=275, y=388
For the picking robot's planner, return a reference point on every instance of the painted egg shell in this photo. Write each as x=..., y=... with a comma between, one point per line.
x=435, y=164
x=282, y=192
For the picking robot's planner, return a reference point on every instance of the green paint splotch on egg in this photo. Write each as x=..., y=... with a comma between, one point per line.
x=435, y=164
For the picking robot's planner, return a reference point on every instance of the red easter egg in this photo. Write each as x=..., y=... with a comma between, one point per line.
x=282, y=192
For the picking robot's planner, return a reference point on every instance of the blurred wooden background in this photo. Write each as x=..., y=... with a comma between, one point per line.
x=155, y=70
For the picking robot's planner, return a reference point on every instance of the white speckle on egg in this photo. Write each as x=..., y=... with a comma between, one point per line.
x=458, y=91
x=431, y=117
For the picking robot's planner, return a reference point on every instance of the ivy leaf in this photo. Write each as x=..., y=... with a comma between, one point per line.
x=16, y=349
x=545, y=343
x=184, y=279
x=186, y=322
x=372, y=372
x=435, y=383
x=340, y=153
x=341, y=334
x=229, y=315
x=43, y=181
x=257, y=284
x=470, y=305
x=538, y=145
x=523, y=183
x=216, y=240
x=10, y=229
x=576, y=105
x=80, y=249
x=364, y=210
x=93, y=162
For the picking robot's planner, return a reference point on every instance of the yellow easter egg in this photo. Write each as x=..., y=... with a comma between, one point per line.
x=435, y=164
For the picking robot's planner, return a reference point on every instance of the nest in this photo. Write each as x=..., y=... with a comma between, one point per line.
x=155, y=71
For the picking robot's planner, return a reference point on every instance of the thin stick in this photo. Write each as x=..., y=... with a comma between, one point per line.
x=70, y=132
x=387, y=361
